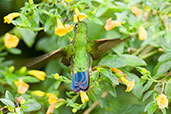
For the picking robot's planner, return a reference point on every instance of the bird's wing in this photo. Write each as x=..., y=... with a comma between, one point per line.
x=100, y=46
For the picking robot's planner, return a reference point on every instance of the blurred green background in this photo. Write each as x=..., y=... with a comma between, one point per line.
x=124, y=103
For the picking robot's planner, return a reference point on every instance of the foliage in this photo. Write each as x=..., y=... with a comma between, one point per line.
x=142, y=63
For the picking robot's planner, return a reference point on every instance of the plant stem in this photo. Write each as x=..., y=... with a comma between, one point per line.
x=149, y=54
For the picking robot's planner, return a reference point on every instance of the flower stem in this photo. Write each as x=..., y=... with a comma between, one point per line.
x=149, y=54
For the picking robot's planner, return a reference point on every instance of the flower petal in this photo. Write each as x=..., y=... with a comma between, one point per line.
x=60, y=30
x=38, y=93
x=52, y=98
x=38, y=74
x=142, y=33
x=162, y=101
x=79, y=16
x=11, y=41
x=130, y=85
x=21, y=86
x=84, y=97
x=51, y=108
x=136, y=11
x=68, y=0
x=10, y=17
x=111, y=24
x=69, y=27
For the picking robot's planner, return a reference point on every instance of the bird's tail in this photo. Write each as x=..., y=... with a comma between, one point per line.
x=80, y=81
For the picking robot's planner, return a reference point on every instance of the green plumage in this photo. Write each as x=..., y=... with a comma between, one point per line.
x=81, y=58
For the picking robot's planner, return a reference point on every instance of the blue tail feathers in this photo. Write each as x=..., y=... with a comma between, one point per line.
x=80, y=81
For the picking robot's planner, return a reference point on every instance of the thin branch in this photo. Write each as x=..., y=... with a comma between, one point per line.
x=149, y=54
x=90, y=109
x=165, y=21
x=147, y=50
x=163, y=83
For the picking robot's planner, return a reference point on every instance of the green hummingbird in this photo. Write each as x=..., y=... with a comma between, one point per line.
x=81, y=59
x=80, y=52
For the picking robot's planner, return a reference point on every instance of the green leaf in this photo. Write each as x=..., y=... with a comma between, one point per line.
x=162, y=67
x=7, y=102
x=9, y=77
x=30, y=79
x=147, y=95
x=9, y=96
x=49, y=24
x=137, y=90
x=150, y=107
x=57, y=84
x=110, y=88
x=97, y=21
x=49, y=44
x=131, y=60
x=36, y=16
x=15, y=51
x=164, y=111
x=167, y=89
x=113, y=34
x=101, y=11
x=164, y=57
x=27, y=35
x=112, y=61
x=147, y=86
x=119, y=49
x=108, y=73
x=31, y=105
x=2, y=89
x=132, y=76
x=132, y=109
x=112, y=91
x=166, y=44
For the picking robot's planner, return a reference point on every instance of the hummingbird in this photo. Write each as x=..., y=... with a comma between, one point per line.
x=80, y=54
x=81, y=59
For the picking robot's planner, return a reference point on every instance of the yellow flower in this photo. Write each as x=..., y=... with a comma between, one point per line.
x=162, y=101
x=21, y=86
x=38, y=74
x=52, y=98
x=11, y=68
x=130, y=84
x=22, y=70
x=49, y=94
x=111, y=24
x=60, y=30
x=119, y=74
x=56, y=76
x=147, y=8
x=31, y=2
x=51, y=108
x=169, y=15
x=69, y=27
x=115, y=70
x=84, y=97
x=136, y=11
x=79, y=16
x=143, y=70
x=22, y=101
x=142, y=33
x=11, y=41
x=74, y=110
x=10, y=17
x=38, y=93
x=68, y=0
